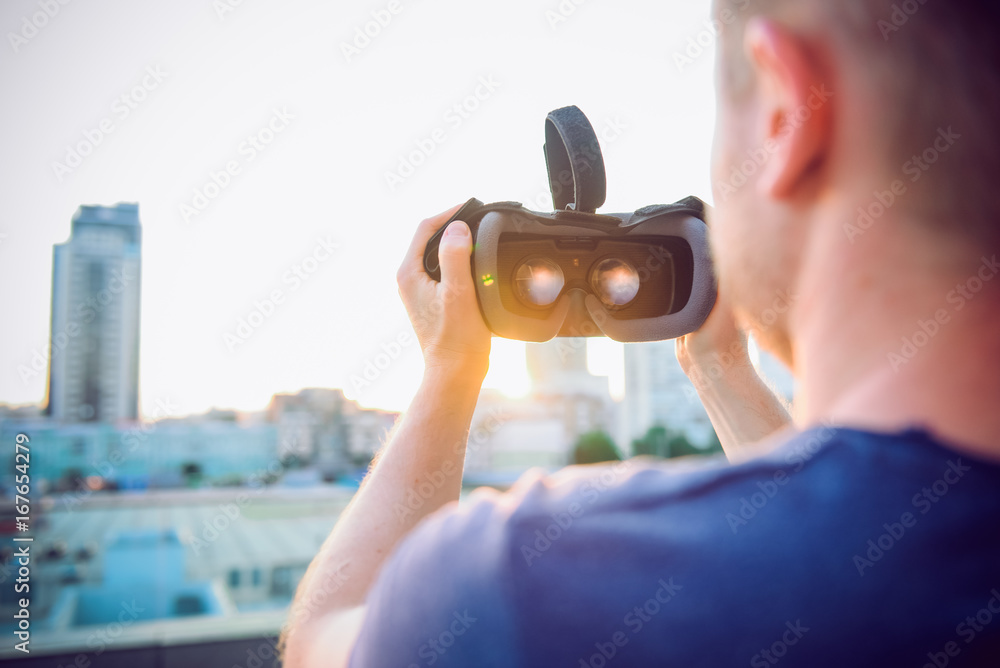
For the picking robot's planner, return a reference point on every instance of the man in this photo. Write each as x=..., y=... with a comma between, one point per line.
x=855, y=159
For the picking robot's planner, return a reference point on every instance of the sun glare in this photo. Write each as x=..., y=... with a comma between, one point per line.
x=508, y=369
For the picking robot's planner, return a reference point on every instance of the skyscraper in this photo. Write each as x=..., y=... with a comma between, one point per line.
x=94, y=363
x=557, y=366
x=559, y=374
x=658, y=393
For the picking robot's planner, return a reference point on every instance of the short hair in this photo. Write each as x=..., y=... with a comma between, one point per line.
x=938, y=64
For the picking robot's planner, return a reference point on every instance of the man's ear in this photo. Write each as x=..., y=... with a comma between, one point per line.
x=795, y=107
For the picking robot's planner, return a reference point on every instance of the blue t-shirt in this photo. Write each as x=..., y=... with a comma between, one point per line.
x=841, y=548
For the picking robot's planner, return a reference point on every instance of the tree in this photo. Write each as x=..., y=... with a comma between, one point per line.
x=667, y=444
x=714, y=445
x=595, y=447
x=192, y=473
x=72, y=481
x=292, y=462
x=654, y=444
x=680, y=446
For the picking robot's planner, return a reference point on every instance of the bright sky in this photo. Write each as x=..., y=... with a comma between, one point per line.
x=197, y=85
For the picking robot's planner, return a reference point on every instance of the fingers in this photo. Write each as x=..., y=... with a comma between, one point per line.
x=414, y=260
x=455, y=257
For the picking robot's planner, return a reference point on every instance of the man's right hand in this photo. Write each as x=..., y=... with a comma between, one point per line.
x=445, y=315
x=716, y=348
x=741, y=406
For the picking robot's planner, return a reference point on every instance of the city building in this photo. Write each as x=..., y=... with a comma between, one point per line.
x=659, y=394
x=144, y=576
x=317, y=430
x=324, y=429
x=165, y=454
x=510, y=435
x=774, y=373
x=120, y=571
x=94, y=362
x=560, y=377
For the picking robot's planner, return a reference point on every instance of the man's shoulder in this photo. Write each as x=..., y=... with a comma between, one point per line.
x=643, y=483
x=603, y=553
x=839, y=477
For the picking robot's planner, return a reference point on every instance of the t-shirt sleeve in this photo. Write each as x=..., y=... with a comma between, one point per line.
x=440, y=599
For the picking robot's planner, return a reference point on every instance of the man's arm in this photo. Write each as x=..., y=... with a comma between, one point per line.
x=741, y=406
x=428, y=445
x=430, y=441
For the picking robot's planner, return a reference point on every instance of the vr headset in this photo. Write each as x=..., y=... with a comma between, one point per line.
x=633, y=277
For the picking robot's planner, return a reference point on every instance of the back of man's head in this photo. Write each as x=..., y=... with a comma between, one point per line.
x=934, y=65
x=856, y=152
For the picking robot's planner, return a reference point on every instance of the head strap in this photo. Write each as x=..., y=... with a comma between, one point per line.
x=575, y=164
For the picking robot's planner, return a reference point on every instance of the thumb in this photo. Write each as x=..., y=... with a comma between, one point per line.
x=454, y=254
